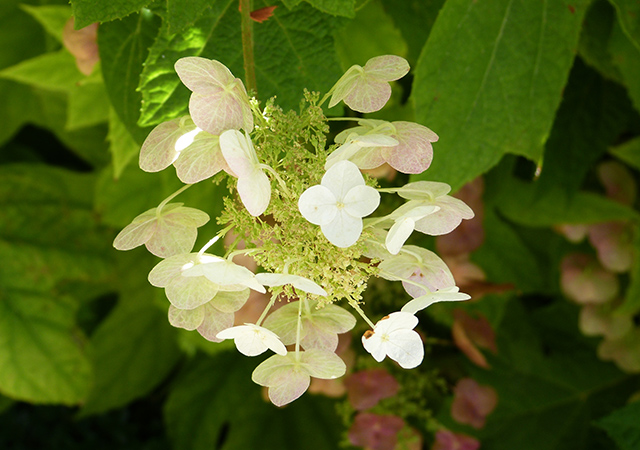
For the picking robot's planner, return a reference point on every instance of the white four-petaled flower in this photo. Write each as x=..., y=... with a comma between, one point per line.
x=339, y=203
x=252, y=340
x=393, y=336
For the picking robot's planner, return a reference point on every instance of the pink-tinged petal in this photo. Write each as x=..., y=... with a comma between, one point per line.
x=472, y=403
x=585, y=281
x=344, y=230
x=169, y=269
x=318, y=205
x=286, y=379
x=214, y=322
x=341, y=178
x=398, y=234
x=323, y=364
x=361, y=201
x=82, y=44
x=366, y=388
x=600, y=320
x=618, y=182
x=414, y=152
x=230, y=301
x=368, y=94
x=217, y=112
x=368, y=158
x=203, y=75
x=444, y=221
x=186, y=319
x=387, y=67
x=375, y=432
x=574, y=233
x=289, y=389
x=200, y=160
x=614, y=244
x=176, y=231
x=624, y=351
x=159, y=148
x=446, y=440
x=345, y=84
x=255, y=192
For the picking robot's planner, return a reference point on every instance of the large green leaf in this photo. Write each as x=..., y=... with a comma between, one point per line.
x=216, y=393
x=593, y=47
x=490, y=79
x=336, y=7
x=623, y=425
x=49, y=238
x=293, y=50
x=626, y=57
x=631, y=303
x=629, y=18
x=54, y=71
x=550, y=384
x=629, y=152
x=135, y=347
x=181, y=14
x=52, y=17
x=89, y=11
x=124, y=46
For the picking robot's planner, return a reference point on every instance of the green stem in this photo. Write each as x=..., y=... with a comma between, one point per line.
x=171, y=197
x=299, y=330
x=355, y=306
x=247, y=47
x=264, y=313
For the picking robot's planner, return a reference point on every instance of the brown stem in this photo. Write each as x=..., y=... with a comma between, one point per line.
x=247, y=47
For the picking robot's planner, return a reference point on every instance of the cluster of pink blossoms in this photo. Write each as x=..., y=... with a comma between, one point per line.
x=227, y=132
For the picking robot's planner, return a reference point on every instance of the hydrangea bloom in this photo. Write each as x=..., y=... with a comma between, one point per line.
x=404, y=224
x=366, y=89
x=339, y=203
x=409, y=151
x=393, y=336
x=254, y=187
x=472, y=403
x=219, y=101
x=252, y=340
x=194, y=153
x=167, y=232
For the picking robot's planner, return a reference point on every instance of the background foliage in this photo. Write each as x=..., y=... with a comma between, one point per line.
x=532, y=95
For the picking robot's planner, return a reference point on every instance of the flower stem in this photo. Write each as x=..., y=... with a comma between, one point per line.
x=299, y=329
x=247, y=47
x=171, y=197
x=355, y=306
x=268, y=307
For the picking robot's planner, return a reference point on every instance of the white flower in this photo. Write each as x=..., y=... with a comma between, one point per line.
x=254, y=187
x=252, y=340
x=339, y=203
x=393, y=336
x=404, y=225
x=450, y=294
x=298, y=282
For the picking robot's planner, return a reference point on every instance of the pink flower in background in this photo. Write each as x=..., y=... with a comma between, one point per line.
x=375, y=431
x=618, y=182
x=469, y=334
x=366, y=388
x=472, y=403
x=613, y=242
x=585, y=281
x=447, y=440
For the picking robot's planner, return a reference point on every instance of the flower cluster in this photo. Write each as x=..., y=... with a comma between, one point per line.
x=301, y=209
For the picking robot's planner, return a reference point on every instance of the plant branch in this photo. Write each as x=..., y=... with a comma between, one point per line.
x=247, y=47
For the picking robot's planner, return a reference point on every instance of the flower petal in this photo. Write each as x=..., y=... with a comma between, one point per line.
x=344, y=230
x=387, y=67
x=398, y=234
x=203, y=75
x=318, y=205
x=361, y=201
x=405, y=347
x=443, y=295
x=302, y=283
x=184, y=318
x=341, y=178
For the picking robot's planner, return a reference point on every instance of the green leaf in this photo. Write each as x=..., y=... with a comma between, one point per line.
x=593, y=47
x=626, y=57
x=21, y=38
x=124, y=47
x=414, y=21
x=122, y=146
x=356, y=44
x=88, y=104
x=629, y=152
x=53, y=71
x=631, y=303
x=285, y=62
x=629, y=19
x=133, y=350
x=181, y=14
x=490, y=79
x=217, y=392
x=346, y=8
x=52, y=17
x=548, y=378
x=623, y=425
x=88, y=11
x=49, y=240
x=593, y=113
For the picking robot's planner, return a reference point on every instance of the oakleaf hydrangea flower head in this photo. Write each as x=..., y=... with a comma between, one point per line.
x=254, y=187
x=408, y=151
x=393, y=336
x=194, y=153
x=218, y=101
x=165, y=231
x=339, y=203
x=366, y=89
x=472, y=403
x=252, y=340
x=289, y=376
